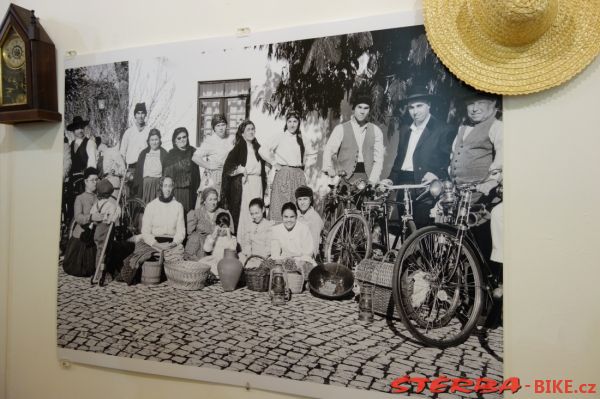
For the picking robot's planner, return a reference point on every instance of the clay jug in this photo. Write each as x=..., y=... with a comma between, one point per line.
x=230, y=269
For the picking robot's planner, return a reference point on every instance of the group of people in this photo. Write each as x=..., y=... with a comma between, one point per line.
x=213, y=197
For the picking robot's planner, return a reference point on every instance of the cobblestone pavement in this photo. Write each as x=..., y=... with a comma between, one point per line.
x=308, y=339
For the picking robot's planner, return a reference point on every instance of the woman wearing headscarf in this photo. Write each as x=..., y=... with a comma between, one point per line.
x=211, y=154
x=179, y=166
x=150, y=167
x=244, y=176
x=201, y=222
x=163, y=228
x=286, y=156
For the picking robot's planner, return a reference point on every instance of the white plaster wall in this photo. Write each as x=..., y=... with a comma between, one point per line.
x=552, y=304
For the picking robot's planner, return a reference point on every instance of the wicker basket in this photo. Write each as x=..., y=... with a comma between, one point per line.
x=186, y=274
x=257, y=279
x=377, y=275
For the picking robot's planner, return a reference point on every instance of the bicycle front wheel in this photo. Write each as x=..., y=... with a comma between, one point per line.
x=349, y=240
x=438, y=287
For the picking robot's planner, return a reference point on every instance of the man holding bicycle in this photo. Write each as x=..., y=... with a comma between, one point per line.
x=423, y=151
x=476, y=152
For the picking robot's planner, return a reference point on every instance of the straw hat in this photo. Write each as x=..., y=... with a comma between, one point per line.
x=514, y=46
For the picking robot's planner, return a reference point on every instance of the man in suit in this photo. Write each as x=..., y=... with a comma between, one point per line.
x=423, y=152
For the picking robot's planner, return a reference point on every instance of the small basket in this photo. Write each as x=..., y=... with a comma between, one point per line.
x=257, y=279
x=377, y=277
x=152, y=270
x=186, y=274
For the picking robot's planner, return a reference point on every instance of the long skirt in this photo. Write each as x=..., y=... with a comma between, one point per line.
x=150, y=189
x=251, y=189
x=80, y=258
x=285, y=183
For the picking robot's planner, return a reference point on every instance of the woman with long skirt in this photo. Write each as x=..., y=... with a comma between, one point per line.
x=244, y=176
x=286, y=156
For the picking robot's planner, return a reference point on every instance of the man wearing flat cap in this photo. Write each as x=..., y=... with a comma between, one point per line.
x=135, y=138
x=423, y=151
x=355, y=147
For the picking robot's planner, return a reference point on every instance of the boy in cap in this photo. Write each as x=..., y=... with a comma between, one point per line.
x=103, y=212
x=308, y=215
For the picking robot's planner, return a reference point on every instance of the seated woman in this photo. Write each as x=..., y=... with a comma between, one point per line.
x=292, y=239
x=308, y=215
x=163, y=228
x=80, y=255
x=255, y=238
x=201, y=222
x=217, y=242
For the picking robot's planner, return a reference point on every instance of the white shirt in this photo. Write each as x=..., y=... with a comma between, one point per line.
x=415, y=134
x=335, y=140
x=284, y=150
x=133, y=142
x=163, y=219
x=296, y=243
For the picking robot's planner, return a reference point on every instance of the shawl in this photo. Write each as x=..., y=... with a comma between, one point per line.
x=179, y=166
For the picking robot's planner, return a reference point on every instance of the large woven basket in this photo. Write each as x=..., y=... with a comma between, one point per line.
x=257, y=279
x=377, y=276
x=186, y=274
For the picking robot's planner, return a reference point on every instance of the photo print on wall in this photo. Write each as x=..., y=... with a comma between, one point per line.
x=317, y=216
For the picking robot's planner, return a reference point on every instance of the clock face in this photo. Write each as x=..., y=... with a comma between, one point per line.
x=13, y=71
x=13, y=52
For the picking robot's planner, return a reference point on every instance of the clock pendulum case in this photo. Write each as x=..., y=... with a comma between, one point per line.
x=28, y=89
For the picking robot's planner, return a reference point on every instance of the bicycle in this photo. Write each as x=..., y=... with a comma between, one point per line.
x=348, y=240
x=442, y=285
x=130, y=221
x=378, y=214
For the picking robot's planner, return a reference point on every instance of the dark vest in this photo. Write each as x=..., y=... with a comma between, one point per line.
x=473, y=156
x=79, y=158
x=347, y=156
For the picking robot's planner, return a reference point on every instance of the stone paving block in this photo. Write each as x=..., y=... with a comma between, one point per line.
x=308, y=339
x=376, y=373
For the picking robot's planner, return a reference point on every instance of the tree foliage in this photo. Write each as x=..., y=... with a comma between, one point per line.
x=386, y=63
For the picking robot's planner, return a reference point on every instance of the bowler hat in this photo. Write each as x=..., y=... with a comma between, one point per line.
x=78, y=123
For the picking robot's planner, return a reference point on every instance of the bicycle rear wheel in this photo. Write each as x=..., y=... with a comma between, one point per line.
x=438, y=287
x=349, y=240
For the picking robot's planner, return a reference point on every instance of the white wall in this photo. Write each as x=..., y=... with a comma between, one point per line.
x=552, y=270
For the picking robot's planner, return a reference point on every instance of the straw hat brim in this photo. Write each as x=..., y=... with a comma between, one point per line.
x=565, y=49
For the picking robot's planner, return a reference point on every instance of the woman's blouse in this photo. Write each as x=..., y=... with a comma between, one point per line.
x=152, y=164
x=82, y=211
x=252, y=164
x=255, y=238
x=295, y=243
x=284, y=150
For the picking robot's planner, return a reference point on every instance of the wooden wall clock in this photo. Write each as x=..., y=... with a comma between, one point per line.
x=27, y=70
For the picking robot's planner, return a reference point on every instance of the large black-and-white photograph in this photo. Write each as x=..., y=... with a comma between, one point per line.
x=325, y=211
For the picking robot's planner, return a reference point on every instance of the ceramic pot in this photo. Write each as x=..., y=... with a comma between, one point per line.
x=230, y=270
